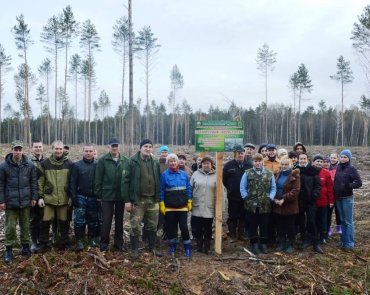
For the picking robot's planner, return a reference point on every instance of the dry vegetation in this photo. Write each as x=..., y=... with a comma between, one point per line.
x=234, y=272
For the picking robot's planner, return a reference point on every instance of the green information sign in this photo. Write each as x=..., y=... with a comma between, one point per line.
x=218, y=136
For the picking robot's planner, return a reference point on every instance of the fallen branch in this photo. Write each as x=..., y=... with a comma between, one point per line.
x=47, y=264
x=16, y=290
x=102, y=260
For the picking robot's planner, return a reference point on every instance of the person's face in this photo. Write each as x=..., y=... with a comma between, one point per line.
x=284, y=165
x=95, y=154
x=299, y=149
x=58, y=150
x=172, y=163
x=326, y=165
x=264, y=152
x=239, y=156
x=114, y=149
x=88, y=152
x=318, y=163
x=333, y=159
x=164, y=154
x=37, y=148
x=248, y=151
x=344, y=159
x=257, y=164
x=146, y=150
x=303, y=160
x=181, y=162
x=17, y=153
x=294, y=160
x=206, y=166
x=271, y=153
x=199, y=161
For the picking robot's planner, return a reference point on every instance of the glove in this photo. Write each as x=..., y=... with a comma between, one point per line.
x=41, y=203
x=162, y=208
x=190, y=205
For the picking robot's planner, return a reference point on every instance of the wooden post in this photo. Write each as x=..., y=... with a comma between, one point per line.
x=219, y=202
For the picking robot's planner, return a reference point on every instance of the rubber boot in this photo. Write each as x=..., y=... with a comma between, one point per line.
x=289, y=249
x=187, y=248
x=330, y=232
x=64, y=231
x=79, y=233
x=241, y=231
x=255, y=249
x=91, y=237
x=264, y=248
x=35, y=233
x=152, y=238
x=134, y=247
x=172, y=247
x=26, y=251
x=200, y=245
x=282, y=244
x=317, y=248
x=44, y=236
x=207, y=246
x=8, y=256
x=306, y=243
x=339, y=229
x=232, y=230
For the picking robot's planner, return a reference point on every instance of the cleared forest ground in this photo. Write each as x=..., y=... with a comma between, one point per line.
x=233, y=272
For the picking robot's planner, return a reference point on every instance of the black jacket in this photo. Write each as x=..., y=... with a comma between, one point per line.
x=310, y=186
x=18, y=183
x=346, y=179
x=232, y=174
x=81, y=181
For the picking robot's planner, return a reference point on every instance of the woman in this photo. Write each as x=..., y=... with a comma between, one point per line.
x=346, y=179
x=175, y=202
x=333, y=169
x=203, y=183
x=285, y=204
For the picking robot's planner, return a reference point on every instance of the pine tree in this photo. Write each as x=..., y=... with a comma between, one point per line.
x=5, y=62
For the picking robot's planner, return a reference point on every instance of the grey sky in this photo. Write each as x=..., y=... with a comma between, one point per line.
x=214, y=43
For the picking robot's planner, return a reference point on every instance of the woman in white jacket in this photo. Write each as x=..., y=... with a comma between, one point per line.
x=203, y=183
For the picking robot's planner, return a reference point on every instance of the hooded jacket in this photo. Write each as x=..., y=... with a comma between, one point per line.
x=310, y=186
x=301, y=144
x=18, y=183
x=346, y=179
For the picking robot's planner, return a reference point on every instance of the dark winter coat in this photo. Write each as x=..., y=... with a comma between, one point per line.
x=290, y=195
x=232, y=174
x=18, y=183
x=81, y=181
x=346, y=179
x=310, y=186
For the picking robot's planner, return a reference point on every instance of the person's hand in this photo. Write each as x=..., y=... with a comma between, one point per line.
x=190, y=205
x=2, y=206
x=41, y=203
x=70, y=202
x=279, y=202
x=331, y=205
x=162, y=208
x=33, y=203
x=128, y=207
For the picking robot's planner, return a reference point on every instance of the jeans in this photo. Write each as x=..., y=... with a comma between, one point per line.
x=345, y=208
x=86, y=213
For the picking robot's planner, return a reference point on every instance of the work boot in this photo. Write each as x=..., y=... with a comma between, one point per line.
x=64, y=231
x=152, y=238
x=339, y=229
x=255, y=249
x=79, y=234
x=8, y=256
x=207, y=246
x=134, y=247
x=264, y=248
x=200, y=245
x=241, y=231
x=35, y=247
x=172, y=247
x=35, y=233
x=187, y=248
x=317, y=248
x=104, y=247
x=232, y=230
x=44, y=236
x=26, y=251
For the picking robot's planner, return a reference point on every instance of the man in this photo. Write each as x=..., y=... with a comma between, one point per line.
x=182, y=165
x=66, y=150
x=232, y=174
x=108, y=191
x=249, y=149
x=163, y=150
x=18, y=192
x=53, y=193
x=299, y=148
x=37, y=158
x=81, y=188
x=271, y=162
x=140, y=189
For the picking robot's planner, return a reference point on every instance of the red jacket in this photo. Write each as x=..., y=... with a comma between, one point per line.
x=326, y=192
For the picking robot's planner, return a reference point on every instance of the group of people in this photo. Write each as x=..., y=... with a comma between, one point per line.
x=271, y=195
x=275, y=194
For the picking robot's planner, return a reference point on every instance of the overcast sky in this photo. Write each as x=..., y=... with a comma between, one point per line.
x=214, y=44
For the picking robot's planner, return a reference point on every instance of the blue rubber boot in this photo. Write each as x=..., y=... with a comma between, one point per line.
x=187, y=248
x=172, y=247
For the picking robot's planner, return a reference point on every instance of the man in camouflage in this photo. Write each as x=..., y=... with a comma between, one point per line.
x=140, y=190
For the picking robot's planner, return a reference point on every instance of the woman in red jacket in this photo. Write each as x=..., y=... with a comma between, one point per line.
x=325, y=200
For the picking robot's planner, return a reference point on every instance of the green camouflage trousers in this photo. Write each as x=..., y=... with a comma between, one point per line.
x=147, y=210
x=12, y=217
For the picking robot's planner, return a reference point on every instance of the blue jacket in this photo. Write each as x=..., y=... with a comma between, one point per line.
x=175, y=189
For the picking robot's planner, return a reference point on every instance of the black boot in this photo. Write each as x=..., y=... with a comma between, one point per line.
x=79, y=235
x=134, y=247
x=317, y=248
x=207, y=246
x=200, y=245
x=8, y=256
x=64, y=231
x=241, y=230
x=91, y=237
x=281, y=245
x=26, y=251
x=44, y=236
x=152, y=237
x=232, y=230
x=255, y=249
x=35, y=233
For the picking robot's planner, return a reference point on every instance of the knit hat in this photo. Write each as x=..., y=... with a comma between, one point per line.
x=145, y=141
x=346, y=153
x=164, y=148
x=257, y=157
x=317, y=157
x=282, y=152
x=326, y=159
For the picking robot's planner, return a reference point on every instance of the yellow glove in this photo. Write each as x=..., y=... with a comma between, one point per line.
x=162, y=208
x=190, y=205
